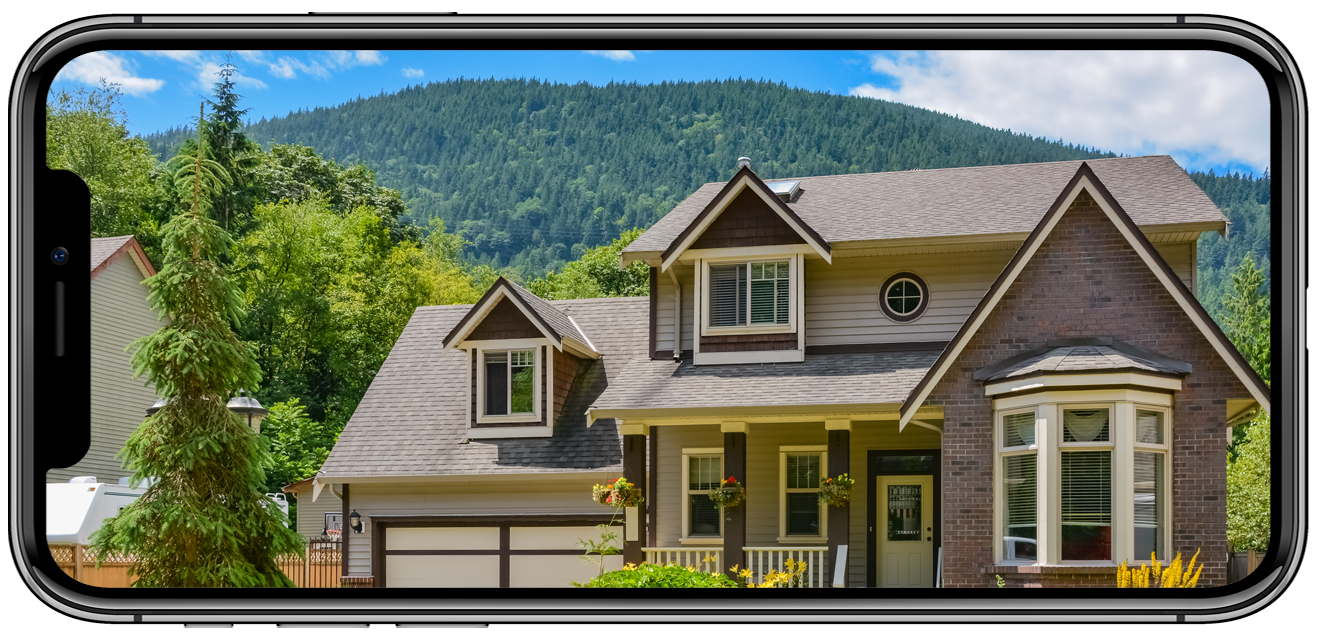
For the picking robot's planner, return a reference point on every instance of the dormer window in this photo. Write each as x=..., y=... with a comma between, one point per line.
x=750, y=294
x=508, y=389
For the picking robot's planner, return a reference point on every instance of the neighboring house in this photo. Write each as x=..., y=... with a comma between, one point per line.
x=1009, y=361
x=316, y=518
x=120, y=314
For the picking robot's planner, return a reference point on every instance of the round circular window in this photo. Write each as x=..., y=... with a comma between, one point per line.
x=904, y=297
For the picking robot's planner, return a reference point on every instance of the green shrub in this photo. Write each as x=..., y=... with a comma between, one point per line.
x=659, y=576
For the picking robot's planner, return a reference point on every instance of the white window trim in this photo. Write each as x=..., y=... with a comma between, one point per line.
x=541, y=355
x=782, y=536
x=795, y=289
x=1048, y=409
x=686, y=454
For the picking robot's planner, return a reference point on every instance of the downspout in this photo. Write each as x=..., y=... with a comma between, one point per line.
x=676, y=325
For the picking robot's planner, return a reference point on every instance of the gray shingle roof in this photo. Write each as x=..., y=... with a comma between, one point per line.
x=412, y=420
x=822, y=379
x=103, y=248
x=1083, y=358
x=963, y=201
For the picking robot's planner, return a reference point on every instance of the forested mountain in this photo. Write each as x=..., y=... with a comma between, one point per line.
x=1246, y=201
x=533, y=173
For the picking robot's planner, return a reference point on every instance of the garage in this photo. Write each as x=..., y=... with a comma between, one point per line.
x=508, y=551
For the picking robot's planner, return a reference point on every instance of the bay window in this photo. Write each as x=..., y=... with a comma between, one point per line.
x=1082, y=483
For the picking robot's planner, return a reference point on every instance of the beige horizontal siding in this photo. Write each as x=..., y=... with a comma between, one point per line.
x=120, y=314
x=1180, y=256
x=763, y=445
x=488, y=494
x=311, y=514
x=666, y=309
x=841, y=299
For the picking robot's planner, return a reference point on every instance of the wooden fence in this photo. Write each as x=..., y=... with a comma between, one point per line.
x=321, y=567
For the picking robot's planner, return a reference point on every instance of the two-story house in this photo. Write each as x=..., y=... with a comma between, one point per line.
x=1008, y=360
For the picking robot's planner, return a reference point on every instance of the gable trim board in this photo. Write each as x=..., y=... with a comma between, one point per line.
x=501, y=289
x=1085, y=180
x=744, y=179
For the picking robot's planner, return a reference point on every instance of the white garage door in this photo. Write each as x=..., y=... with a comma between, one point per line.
x=489, y=556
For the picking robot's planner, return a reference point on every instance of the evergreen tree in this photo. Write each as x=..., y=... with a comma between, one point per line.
x=1247, y=318
x=231, y=149
x=204, y=520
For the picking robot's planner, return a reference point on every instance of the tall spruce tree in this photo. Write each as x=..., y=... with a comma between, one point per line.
x=230, y=148
x=204, y=521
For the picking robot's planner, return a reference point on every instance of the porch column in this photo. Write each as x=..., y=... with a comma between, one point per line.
x=839, y=518
x=734, y=517
x=634, y=436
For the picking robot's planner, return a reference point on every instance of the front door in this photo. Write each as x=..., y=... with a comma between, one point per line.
x=905, y=531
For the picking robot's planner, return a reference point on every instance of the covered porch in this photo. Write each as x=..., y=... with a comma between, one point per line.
x=781, y=460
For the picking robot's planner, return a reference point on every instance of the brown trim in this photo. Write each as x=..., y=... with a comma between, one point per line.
x=504, y=560
x=653, y=312
x=1082, y=388
x=651, y=483
x=377, y=550
x=749, y=342
x=723, y=194
x=346, y=532
x=511, y=291
x=666, y=354
x=1159, y=263
x=872, y=348
x=130, y=245
x=490, y=520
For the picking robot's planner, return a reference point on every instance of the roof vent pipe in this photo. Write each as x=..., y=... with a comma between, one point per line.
x=743, y=161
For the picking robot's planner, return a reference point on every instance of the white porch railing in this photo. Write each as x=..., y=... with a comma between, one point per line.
x=703, y=559
x=759, y=560
x=762, y=560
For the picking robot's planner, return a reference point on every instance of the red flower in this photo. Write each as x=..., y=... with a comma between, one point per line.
x=731, y=479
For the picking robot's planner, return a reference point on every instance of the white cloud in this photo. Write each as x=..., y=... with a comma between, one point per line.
x=251, y=55
x=322, y=64
x=93, y=67
x=181, y=55
x=620, y=55
x=413, y=73
x=208, y=75
x=1205, y=108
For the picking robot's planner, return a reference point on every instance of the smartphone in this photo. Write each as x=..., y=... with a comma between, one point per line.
x=931, y=308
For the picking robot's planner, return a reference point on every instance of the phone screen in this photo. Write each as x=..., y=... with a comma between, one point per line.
x=547, y=319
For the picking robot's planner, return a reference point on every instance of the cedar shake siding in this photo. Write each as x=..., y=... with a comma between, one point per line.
x=747, y=222
x=504, y=322
x=747, y=342
x=1085, y=280
x=565, y=367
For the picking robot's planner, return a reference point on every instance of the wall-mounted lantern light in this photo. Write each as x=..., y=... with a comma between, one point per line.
x=354, y=520
x=249, y=409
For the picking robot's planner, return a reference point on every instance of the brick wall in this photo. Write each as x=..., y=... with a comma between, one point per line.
x=1085, y=280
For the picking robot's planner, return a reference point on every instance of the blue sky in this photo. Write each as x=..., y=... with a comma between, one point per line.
x=1207, y=109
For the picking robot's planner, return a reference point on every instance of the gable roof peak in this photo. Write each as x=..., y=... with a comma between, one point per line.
x=1086, y=181
x=555, y=325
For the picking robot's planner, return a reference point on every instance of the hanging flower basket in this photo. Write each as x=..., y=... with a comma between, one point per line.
x=618, y=493
x=729, y=493
x=836, y=491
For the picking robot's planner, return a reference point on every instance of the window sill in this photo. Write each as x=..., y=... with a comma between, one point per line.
x=509, y=432
x=748, y=329
x=1108, y=568
x=699, y=540
x=513, y=418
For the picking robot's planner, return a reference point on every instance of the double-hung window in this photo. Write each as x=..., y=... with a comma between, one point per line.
x=703, y=472
x=1150, y=451
x=802, y=469
x=1019, y=487
x=750, y=294
x=508, y=388
x=1086, y=450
